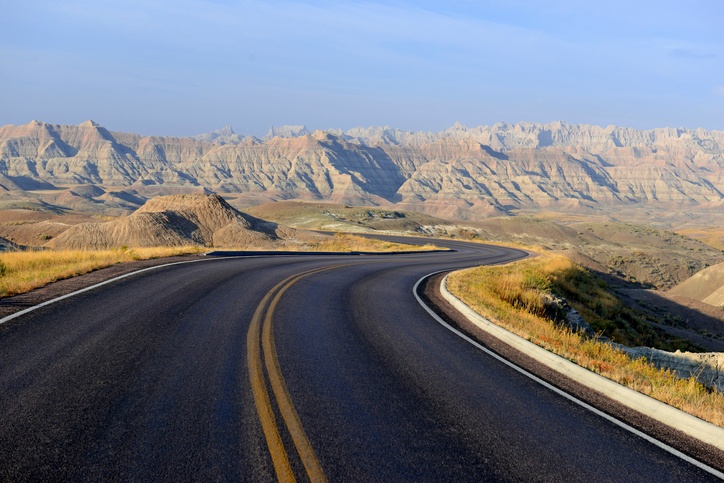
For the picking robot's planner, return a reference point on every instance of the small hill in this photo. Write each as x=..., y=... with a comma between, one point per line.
x=659, y=258
x=713, y=237
x=338, y=217
x=176, y=220
x=530, y=231
x=706, y=286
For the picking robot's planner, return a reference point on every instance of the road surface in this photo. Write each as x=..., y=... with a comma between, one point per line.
x=306, y=367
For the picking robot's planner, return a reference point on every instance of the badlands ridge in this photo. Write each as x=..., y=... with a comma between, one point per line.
x=459, y=173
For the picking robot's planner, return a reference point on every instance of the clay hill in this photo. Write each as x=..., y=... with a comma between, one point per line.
x=177, y=220
x=459, y=173
x=705, y=286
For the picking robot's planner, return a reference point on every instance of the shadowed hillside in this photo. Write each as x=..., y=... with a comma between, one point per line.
x=706, y=286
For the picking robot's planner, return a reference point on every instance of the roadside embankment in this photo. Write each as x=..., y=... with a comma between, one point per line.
x=519, y=297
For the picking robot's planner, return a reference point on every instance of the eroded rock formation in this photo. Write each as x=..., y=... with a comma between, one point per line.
x=179, y=220
x=459, y=173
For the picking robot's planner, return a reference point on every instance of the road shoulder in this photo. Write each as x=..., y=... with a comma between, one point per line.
x=16, y=303
x=685, y=443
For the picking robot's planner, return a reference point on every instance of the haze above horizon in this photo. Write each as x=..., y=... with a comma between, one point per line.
x=192, y=66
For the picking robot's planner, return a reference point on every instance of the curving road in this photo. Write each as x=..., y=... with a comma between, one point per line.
x=306, y=367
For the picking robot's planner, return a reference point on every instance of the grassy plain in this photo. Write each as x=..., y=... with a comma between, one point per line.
x=517, y=296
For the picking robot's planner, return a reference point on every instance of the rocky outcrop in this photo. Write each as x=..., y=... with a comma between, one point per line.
x=224, y=135
x=460, y=172
x=707, y=367
x=287, y=132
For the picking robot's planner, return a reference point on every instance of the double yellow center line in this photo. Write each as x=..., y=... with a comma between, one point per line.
x=263, y=402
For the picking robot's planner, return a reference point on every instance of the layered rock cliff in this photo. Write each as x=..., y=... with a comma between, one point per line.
x=460, y=172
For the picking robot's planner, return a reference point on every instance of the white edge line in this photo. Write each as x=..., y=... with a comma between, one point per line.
x=120, y=277
x=540, y=381
x=439, y=320
x=111, y=280
x=664, y=413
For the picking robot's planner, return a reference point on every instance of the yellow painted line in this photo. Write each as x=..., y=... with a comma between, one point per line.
x=280, y=458
x=291, y=418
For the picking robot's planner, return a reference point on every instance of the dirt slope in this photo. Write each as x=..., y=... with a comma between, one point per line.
x=706, y=286
x=175, y=220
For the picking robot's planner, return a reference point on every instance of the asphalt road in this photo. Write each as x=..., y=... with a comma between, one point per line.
x=258, y=368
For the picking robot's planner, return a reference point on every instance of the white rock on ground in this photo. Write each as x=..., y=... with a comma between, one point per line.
x=707, y=367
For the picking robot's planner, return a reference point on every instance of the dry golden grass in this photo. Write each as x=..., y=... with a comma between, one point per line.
x=710, y=236
x=513, y=296
x=23, y=271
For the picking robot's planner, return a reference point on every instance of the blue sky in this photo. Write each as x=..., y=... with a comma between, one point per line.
x=190, y=66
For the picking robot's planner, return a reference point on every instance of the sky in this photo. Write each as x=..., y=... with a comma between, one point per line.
x=186, y=67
